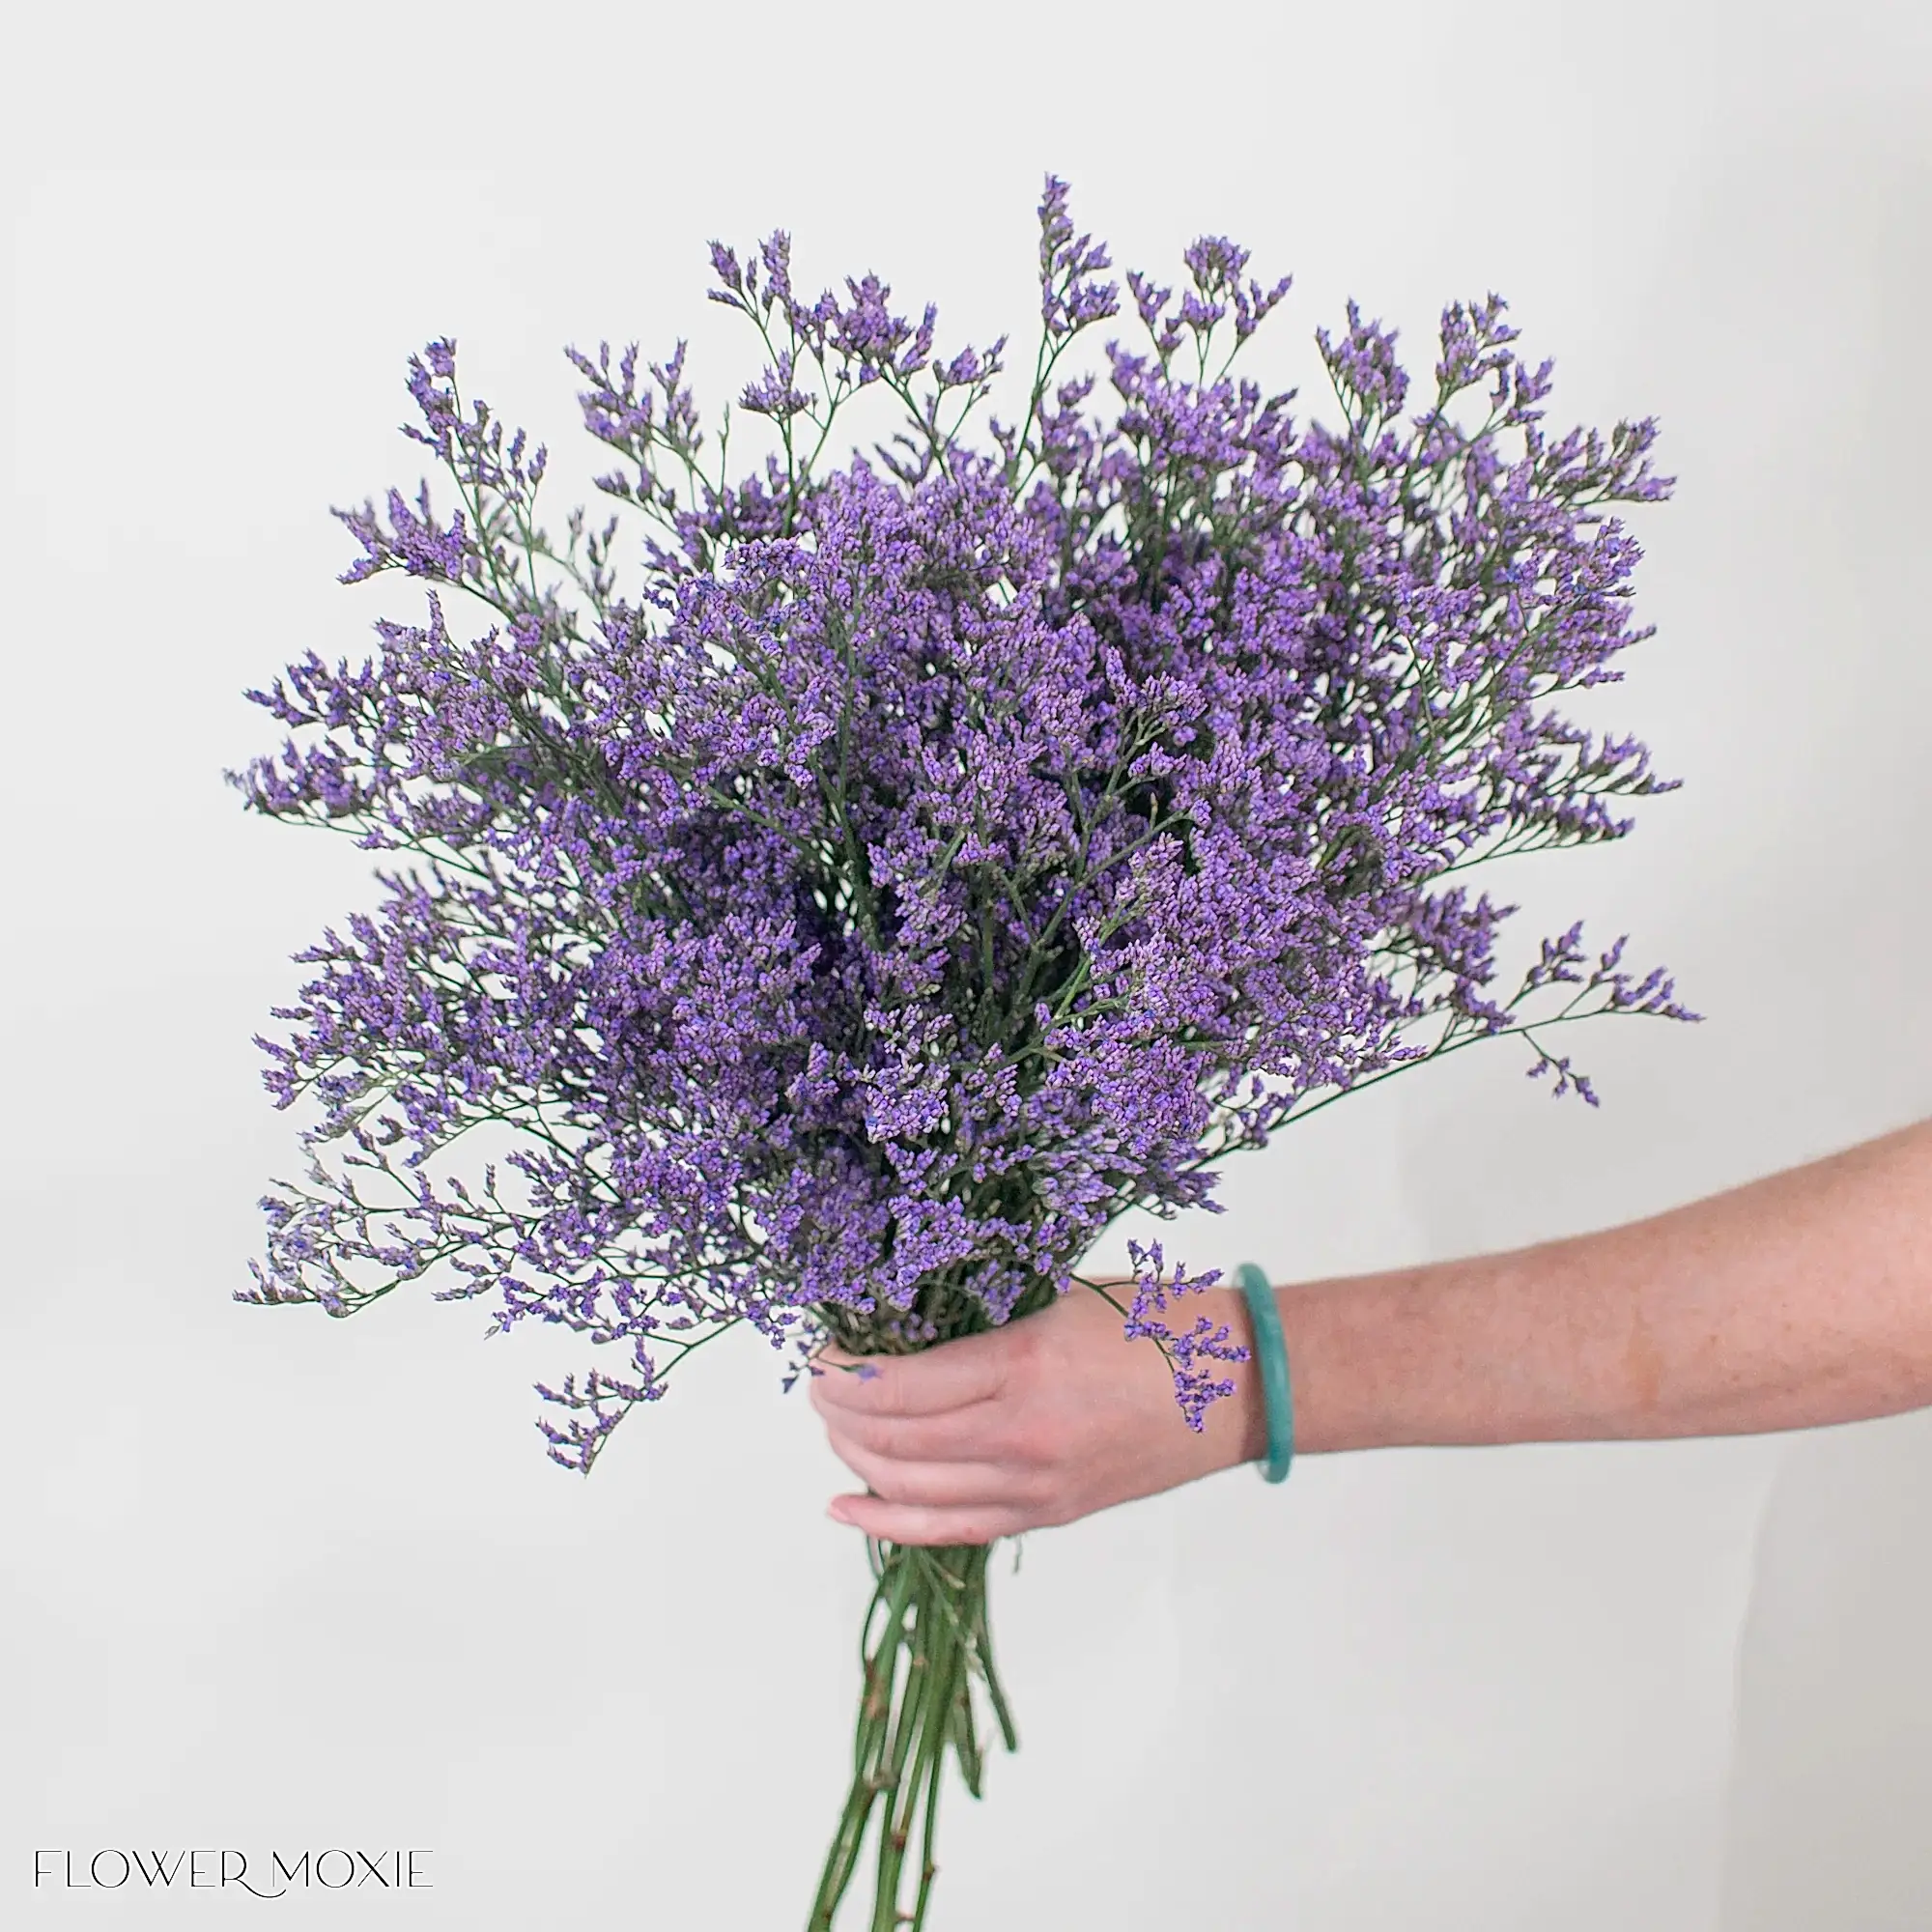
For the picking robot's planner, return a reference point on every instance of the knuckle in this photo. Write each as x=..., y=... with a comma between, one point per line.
x=1060, y=1503
x=854, y=1455
x=1023, y=1357
x=881, y=1436
x=1037, y=1491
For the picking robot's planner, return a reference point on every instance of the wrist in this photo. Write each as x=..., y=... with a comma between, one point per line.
x=1342, y=1341
x=1237, y=1425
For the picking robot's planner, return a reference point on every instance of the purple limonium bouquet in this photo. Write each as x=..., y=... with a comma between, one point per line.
x=900, y=870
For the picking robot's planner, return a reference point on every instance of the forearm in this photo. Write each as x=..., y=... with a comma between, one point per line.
x=1801, y=1300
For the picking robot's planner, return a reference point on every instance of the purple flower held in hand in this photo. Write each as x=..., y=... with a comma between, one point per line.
x=919, y=861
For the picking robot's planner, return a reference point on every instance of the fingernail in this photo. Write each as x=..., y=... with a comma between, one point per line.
x=837, y=1511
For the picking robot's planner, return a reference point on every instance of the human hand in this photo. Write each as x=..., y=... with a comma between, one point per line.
x=1048, y=1418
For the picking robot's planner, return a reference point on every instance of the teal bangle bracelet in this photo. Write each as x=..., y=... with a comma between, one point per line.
x=1272, y=1349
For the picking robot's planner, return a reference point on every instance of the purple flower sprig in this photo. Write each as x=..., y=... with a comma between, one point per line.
x=924, y=862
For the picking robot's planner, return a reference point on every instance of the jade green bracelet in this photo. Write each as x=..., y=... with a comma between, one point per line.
x=1270, y=1346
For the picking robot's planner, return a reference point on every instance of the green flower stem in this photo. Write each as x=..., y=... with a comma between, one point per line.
x=924, y=1643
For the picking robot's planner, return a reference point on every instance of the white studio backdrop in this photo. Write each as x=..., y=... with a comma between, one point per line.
x=267, y=1580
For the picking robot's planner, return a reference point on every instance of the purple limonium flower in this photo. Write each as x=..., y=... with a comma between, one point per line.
x=915, y=861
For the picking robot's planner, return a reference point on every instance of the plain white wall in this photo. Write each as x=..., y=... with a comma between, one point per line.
x=267, y=1580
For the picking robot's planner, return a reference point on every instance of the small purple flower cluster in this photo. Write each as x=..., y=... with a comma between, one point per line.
x=933, y=859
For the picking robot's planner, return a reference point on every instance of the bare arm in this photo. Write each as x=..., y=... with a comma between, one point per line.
x=1801, y=1300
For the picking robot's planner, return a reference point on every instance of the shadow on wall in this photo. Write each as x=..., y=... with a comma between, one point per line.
x=1830, y=1815
x=1829, y=1819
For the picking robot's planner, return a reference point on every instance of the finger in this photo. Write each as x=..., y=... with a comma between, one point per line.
x=914, y=1523
x=981, y=1431
x=929, y=1485
x=948, y=1375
